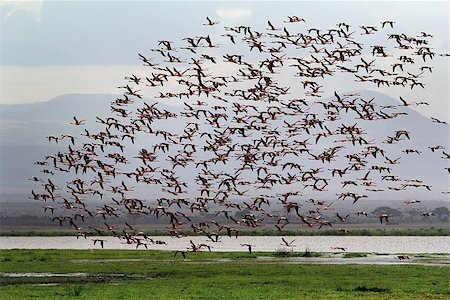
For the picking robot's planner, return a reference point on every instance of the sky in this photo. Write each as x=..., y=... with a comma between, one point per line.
x=51, y=48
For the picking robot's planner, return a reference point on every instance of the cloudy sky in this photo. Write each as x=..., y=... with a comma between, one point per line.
x=50, y=48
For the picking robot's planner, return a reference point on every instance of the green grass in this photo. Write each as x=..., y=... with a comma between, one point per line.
x=128, y=274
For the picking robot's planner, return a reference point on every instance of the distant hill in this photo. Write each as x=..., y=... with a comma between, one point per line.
x=59, y=108
x=28, y=124
x=24, y=127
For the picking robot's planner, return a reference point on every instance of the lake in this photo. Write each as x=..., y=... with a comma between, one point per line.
x=377, y=244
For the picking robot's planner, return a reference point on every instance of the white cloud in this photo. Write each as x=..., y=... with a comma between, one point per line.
x=33, y=7
x=233, y=13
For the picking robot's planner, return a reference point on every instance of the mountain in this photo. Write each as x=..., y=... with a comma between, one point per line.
x=29, y=124
x=24, y=128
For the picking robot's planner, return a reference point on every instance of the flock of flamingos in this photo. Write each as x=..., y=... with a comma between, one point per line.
x=250, y=130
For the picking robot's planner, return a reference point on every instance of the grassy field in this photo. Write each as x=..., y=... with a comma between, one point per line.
x=124, y=274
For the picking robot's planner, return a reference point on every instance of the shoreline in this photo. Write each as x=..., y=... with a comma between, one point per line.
x=107, y=256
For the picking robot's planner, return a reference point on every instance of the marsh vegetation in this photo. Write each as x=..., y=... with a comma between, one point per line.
x=121, y=274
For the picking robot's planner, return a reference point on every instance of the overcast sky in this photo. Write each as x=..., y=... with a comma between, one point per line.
x=50, y=48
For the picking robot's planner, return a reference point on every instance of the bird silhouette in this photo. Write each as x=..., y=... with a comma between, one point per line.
x=241, y=147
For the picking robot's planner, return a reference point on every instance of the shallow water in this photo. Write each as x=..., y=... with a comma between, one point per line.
x=377, y=244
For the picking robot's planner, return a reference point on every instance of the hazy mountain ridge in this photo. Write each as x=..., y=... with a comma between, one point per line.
x=28, y=124
x=61, y=108
x=24, y=129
